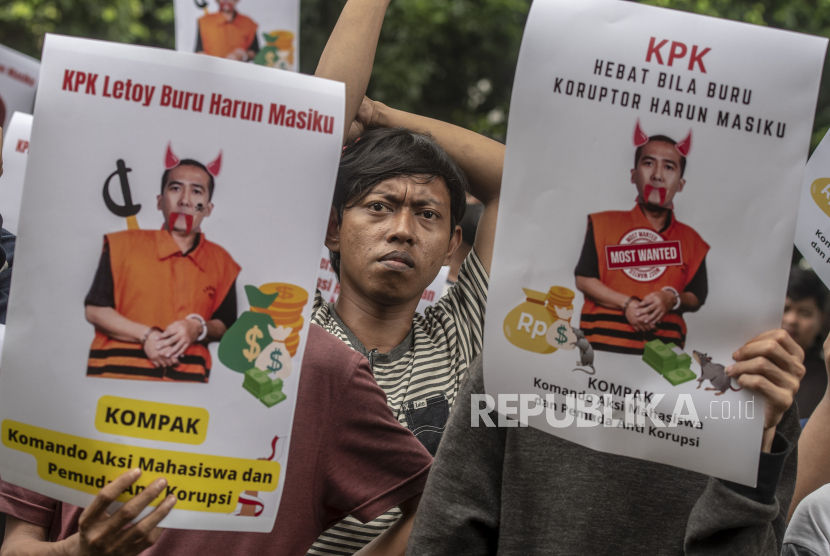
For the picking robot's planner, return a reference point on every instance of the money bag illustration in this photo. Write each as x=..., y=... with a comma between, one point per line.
x=527, y=325
x=275, y=357
x=243, y=343
x=560, y=306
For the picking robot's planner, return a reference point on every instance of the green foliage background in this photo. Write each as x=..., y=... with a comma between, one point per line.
x=449, y=59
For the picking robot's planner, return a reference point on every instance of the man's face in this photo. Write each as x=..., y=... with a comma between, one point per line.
x=185, y=194
x=802, y=320
x=657, y=175
x=394, y=241
x=227, y=6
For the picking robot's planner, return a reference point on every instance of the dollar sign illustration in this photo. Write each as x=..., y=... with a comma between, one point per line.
x=561, y=331
x=275, y=361
x=251, y=336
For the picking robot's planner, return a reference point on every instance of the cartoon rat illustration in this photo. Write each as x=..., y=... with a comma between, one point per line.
x=586, y=352
x=715, y=373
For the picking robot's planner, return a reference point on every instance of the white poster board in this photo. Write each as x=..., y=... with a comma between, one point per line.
x=812, y=231
x=264, y=32
x=15, y=154
x=18, y=83
x=330, y=288
x=217, y=421
x=595, y=79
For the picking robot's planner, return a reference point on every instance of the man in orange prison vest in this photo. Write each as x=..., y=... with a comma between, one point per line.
x=160, y=296
x=227, y=33
x=640, y=270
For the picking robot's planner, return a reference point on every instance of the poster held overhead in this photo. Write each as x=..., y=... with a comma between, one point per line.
x=645, y=226
x=166, y=260
x=18, y=83
x=263, y=32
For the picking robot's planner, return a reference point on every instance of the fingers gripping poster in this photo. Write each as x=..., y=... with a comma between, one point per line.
x=645, y=227
x=263, y=32
x=168, y=244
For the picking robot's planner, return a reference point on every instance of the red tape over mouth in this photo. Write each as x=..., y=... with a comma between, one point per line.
x=188, y=219
x=660, y=191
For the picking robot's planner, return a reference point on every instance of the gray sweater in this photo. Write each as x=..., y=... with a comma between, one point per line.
x=523, y=492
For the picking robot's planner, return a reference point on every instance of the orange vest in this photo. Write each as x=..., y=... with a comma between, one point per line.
x=220, y=37
x=636, y=260
x=155, y=285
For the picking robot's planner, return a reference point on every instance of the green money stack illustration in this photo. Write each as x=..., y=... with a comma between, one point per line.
x=262, y=387
x=670, y=361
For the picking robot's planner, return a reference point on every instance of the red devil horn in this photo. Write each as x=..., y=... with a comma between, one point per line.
x=170, y=159
x=684, y=147
x=215, y=166
x=640, y=138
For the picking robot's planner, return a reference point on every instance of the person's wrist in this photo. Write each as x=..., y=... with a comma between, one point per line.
x=767, y=439
x=70, y=546
x=380, y=115
x=200, y=332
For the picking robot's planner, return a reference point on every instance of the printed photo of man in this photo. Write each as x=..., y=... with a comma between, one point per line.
x=160, y=296
x=640, y=270
x=227, y=33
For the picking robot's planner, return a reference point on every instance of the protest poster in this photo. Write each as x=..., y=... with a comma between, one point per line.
x=167, y=191
x=601, y=217
x=15, y=152
x=264, y=32
x=812, y=230
x=330, y=288
x=18, y=83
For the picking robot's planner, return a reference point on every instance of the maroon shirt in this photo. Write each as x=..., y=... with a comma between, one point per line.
x=348, y=456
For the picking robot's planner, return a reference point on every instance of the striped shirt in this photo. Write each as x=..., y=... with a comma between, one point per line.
x=421, y=377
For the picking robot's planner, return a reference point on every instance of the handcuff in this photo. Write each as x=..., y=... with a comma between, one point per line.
x=676, y=295
x=201, y=320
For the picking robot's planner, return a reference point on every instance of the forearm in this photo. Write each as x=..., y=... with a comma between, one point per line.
x=481, y=158
x=350, y=51
x=601, y=294
x=689, y=302
x=813, y=454
x=26, y=539
x=733, y=519
x=393, y=541
x=113, y=324
x=215, y=330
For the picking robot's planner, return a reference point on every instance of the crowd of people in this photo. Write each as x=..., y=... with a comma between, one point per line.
x=383, y=459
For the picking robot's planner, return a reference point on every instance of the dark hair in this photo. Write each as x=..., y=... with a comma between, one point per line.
x=805, y=284
x=194, y=163
x=383, y=153
x=639, y=152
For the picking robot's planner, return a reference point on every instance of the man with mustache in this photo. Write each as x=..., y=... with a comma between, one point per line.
x=399, y=198
x=227, y=33
x=160, y=296
x=636, y=294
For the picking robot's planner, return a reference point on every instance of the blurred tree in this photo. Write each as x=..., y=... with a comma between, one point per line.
x=449, y=59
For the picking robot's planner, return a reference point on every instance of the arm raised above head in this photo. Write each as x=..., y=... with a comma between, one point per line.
x=350, y=51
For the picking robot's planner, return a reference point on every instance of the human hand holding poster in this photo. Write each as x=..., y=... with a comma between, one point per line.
x=650, y=154
x=264, y=32
x=162, y=251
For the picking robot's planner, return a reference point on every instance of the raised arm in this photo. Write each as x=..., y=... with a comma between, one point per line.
x=481, y=158
x=814, y=449
x=350, y=51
